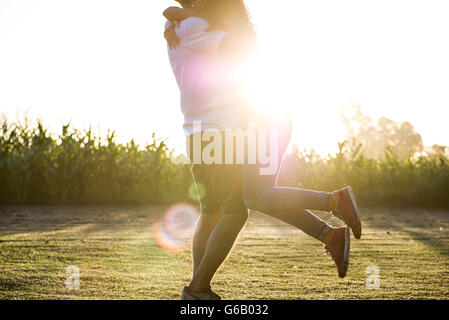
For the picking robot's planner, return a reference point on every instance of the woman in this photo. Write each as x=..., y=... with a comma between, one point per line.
x=232, y=189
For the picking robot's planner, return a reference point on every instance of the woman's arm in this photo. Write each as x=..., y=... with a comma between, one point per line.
x=179, y=14
x=170, y=35
x=174, y=15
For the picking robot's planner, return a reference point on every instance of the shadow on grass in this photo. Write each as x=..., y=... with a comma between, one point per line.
x=428, y=226
x=44, y=223
x=101, y=223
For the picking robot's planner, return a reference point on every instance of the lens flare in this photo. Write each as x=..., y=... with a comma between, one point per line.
x=174, y=231
x=197, y=191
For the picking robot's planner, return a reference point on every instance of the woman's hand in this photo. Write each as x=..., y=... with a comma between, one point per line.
x=174, y=15
x=179, y=14
x=172, y=38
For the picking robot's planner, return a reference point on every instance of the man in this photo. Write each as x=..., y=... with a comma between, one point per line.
x=196, y=55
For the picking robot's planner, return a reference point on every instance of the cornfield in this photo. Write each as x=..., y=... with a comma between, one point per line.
x=78, y=167
x=394, y=181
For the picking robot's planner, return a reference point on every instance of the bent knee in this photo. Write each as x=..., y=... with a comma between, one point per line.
x=238, y=217
x=243, y=217
x=251, y=202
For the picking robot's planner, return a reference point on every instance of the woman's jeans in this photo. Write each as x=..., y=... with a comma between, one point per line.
x=260, y=193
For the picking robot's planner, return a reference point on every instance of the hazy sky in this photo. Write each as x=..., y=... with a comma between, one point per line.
x=104, y=62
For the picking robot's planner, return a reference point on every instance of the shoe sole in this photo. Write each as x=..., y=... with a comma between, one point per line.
x=346, y=253
x=187, y=296
x=357, y=213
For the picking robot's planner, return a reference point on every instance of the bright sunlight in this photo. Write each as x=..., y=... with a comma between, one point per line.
x=104, y=63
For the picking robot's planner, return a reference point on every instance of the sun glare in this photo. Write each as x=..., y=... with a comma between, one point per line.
x=277, y=90
x=314, y=57
x=262, y=84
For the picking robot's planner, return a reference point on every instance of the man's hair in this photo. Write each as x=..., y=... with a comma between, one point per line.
x=185, y=3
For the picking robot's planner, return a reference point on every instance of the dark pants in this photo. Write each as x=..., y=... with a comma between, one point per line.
x=234, y=188
x=260, y=193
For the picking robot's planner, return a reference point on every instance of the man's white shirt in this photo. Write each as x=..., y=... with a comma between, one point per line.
x=204, y=83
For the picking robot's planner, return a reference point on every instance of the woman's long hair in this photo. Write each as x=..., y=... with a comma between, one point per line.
x=229, y=15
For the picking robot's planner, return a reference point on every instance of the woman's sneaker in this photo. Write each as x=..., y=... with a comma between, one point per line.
x=348, y=211
x=338, y=247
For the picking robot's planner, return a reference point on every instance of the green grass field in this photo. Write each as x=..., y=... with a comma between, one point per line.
x=118, y=257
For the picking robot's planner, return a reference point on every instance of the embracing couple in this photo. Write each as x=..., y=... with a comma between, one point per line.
x=208, y=41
